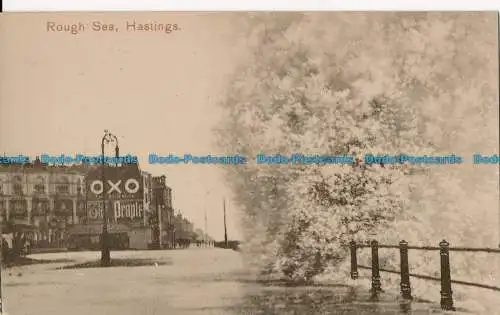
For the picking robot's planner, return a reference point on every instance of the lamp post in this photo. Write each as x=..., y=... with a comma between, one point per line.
x=105, y=254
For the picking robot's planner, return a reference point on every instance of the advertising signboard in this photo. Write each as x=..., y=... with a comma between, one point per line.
x=123, y=182
x=124, y=194
x=120, y=211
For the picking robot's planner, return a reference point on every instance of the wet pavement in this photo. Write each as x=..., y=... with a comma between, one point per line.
x=191, y=281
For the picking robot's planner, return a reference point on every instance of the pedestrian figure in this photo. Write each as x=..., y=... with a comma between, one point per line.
x=5, y=250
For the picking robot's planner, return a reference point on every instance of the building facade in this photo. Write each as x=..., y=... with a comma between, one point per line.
x=163, y=214
x=63, y=206
x=49, y=199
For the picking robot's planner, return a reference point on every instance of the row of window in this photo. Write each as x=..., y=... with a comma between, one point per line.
x=40, y=187
x=41, y=207
x=17, y=189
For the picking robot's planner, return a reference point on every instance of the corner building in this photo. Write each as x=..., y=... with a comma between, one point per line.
x=42, y=201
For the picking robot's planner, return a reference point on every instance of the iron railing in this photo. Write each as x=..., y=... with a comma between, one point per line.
x=445, y=278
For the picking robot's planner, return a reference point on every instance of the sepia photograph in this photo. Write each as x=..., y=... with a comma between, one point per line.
x=227, y=163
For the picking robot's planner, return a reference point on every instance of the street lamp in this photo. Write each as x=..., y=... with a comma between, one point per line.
x=105, y=254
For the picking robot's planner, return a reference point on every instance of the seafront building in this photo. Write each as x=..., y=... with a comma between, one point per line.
x=45, y=200
x=62, y=206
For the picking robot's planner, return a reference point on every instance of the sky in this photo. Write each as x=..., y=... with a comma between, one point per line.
x=155, y=91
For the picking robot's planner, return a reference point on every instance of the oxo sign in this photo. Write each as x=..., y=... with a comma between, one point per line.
x=130, y=186
x=124, y=182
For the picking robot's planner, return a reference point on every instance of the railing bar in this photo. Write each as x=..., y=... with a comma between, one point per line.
x=397, y=247
x=423, y=247
x=484, y=286
x=398, y=272
x=455, y=249
x=465, y=249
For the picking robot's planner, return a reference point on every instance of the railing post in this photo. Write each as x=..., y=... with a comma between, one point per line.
x=376, y=285
x=354, y=261
x=405, y=270
x=446, y=293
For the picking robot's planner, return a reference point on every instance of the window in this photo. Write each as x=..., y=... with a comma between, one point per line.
x=39, y=185
x=63, y=186
x=63, y=207
x=79, y=187
x=40, y=207
x=3, y=210
x=80, y=205
x=17, y=185
x=19, y=207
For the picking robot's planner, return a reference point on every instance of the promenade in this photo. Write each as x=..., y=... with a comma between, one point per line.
x=198, y=281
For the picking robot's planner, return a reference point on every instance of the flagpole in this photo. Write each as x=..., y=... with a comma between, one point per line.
x=205, y=234
x=225, y=225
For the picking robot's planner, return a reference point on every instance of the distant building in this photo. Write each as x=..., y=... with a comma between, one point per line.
x=163, y=227
x=184, y=230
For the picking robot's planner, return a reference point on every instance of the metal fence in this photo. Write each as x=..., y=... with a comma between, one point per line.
x=445, y=278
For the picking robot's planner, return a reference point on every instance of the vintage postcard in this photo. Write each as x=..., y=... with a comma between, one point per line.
x=249, y=163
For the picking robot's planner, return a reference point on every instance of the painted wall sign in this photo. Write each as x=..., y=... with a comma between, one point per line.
x=118, y=210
